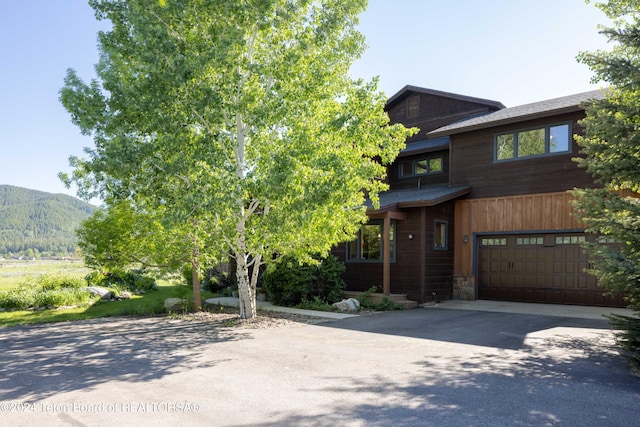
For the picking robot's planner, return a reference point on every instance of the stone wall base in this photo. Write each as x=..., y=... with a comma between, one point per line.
x=464, y=287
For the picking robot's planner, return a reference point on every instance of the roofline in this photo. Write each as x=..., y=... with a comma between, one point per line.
x=412, y=88
x=420, y=203
x=506, y=121
x=460, y=127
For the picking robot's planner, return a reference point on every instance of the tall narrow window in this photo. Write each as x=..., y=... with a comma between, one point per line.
x=440, y=234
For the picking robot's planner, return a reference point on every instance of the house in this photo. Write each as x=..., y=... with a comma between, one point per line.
x=477, y=206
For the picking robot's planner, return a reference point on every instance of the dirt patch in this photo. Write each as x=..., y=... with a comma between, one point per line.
x=230, y=317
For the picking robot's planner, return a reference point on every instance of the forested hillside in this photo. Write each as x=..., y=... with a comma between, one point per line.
x=36, y=223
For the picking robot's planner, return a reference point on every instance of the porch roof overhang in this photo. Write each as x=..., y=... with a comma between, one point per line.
x=431, y=195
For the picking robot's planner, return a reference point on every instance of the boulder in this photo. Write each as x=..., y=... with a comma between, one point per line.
x=174, y=304
x=125, y=295
x=350, y=304
x=104, y=293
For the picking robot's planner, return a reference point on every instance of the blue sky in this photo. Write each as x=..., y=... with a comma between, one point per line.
x=514, y=52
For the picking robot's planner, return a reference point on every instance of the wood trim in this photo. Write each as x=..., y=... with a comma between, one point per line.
x=548, y=211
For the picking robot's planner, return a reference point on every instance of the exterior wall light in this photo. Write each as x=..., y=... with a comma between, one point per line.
x=410, y=236
x=465, y=238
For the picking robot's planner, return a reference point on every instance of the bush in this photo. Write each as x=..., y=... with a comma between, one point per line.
x=62, y=297
x=386, y=304
x=215, y=280
x=289, y=282
x=46, y=291
x=21, y=297
x=132, y=280
x=628, y=338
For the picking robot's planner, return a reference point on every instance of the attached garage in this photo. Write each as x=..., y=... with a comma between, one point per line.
x=541, y=268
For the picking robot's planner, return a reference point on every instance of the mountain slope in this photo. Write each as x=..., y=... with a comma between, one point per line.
x=36, y=220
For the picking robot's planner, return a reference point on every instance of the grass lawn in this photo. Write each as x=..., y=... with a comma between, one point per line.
x=148, y=304
x=13, y=272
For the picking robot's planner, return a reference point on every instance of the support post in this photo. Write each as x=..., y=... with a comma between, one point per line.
x=386, y=257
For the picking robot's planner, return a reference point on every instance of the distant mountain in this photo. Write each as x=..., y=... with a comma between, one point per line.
x=33, y=222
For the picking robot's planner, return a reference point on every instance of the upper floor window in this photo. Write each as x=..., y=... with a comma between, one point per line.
x=542, y=141
x=421, y=167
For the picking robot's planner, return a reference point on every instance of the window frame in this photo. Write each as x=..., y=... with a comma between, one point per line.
x=358, y=241
x=436, y=223
x=427, y=161
x=547, y=142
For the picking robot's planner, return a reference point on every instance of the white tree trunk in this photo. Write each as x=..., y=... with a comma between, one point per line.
x=246, y=288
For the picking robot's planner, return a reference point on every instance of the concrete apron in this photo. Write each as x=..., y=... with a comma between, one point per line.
x=575, y=311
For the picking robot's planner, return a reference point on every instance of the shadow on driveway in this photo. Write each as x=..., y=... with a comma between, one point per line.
x=489, y=329
x=468, y=368
x=43, y=360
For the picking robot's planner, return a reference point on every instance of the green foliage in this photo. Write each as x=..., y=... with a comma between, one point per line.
x=215, y=280
x=611, y=145
x=35, y=223
x=132, y=280
x=289, y=282
x=385, y=304
x=149, y=304
x=237, y=128
x=46, y=291
x=611, y=148
x=316, y=304
x=628, y=337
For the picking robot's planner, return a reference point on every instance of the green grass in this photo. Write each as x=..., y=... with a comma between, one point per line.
x=13, y=273
x=148, y=304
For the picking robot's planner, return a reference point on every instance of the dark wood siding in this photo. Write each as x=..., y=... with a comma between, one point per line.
x=396, y=182
x=419, y=269
x=472, y=163
x=428, y=112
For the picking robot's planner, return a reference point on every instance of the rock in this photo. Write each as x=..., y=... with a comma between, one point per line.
x=174, y=304
x=125, y=295
x=104, y=293
x=350, y=304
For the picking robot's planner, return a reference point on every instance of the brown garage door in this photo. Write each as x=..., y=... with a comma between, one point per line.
x=538, y=268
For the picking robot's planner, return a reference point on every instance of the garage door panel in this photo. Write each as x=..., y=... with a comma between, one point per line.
x=538, y=268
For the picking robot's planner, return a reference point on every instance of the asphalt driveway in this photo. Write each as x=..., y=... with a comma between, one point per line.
x=423, y=367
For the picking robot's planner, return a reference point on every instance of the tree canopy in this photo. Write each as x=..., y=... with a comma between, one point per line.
x=611, y=144
x=239, y=118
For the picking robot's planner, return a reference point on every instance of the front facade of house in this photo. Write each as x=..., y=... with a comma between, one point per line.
x=478, y=206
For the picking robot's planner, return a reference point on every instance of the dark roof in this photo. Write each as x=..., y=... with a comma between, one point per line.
x=409, y=88
x=550, y=107
x=415, y=197
x=425, y=146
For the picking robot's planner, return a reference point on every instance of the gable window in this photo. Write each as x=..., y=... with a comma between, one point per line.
x=368, y=245
x=422, y=167
x=525, y=143
x=440, y=234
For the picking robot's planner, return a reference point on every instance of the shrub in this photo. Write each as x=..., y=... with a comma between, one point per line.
x=46, y=290
x=386, y=304
x=215, y=280
x=21, y=297
x=62, y=297
x=289, y=283
x=132, y=280
x=627, y=338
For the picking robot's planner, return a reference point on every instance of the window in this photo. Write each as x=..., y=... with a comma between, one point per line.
x=422, y=167
x=569, y=240
x=493, y=241
x=533, y=142
x=440, y=234
x=530, y=241
x=368, y=245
